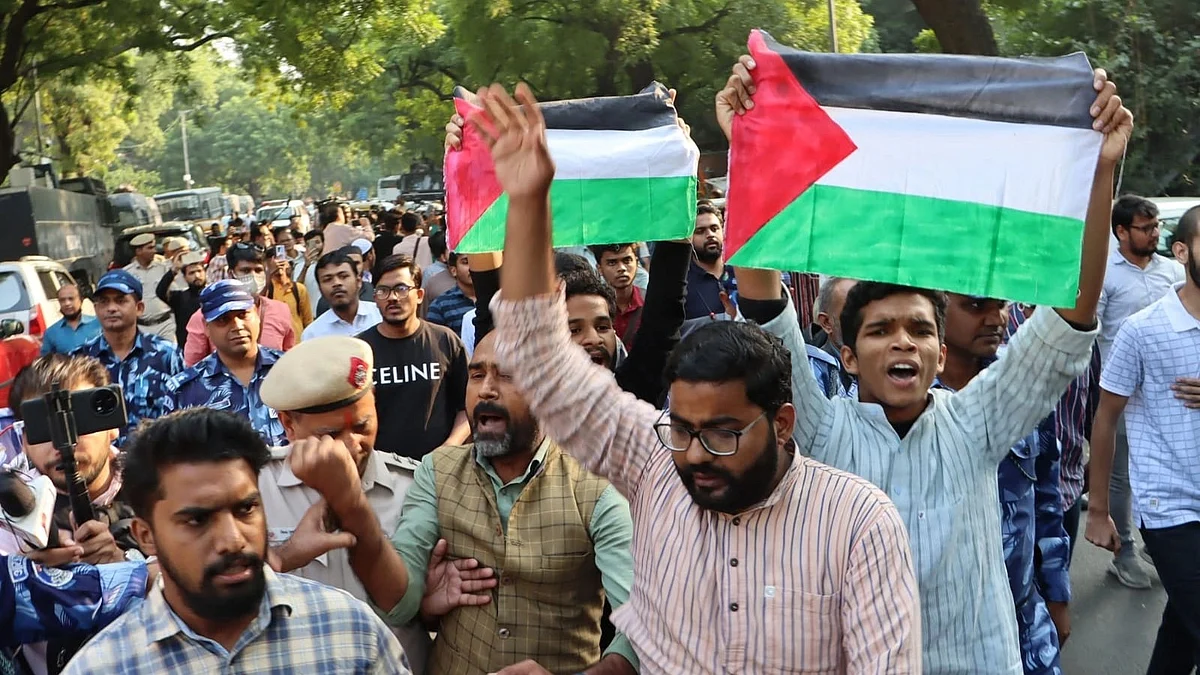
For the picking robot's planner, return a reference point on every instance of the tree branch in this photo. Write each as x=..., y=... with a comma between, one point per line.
x=101, y=55
x=14, y=43
x=74, y=4
x=717, y=17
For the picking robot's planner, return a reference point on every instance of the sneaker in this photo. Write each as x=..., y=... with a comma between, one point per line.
x=1129, y=571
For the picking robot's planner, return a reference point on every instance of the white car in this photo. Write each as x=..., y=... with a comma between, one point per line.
x=1170, y=210
x=29, y=293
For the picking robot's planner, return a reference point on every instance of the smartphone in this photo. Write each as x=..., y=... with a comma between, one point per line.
x=98, y=409
x=281, y=252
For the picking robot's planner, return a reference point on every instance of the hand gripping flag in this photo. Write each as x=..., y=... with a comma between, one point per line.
x=625, y=172
x=963, y=173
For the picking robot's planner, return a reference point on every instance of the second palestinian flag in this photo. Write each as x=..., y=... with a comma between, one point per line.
x=626, y=172
x=968, y=174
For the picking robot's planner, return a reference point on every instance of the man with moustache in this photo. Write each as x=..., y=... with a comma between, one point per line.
x=140, y=362
x=148, y=268
x=108, y=539
x=323, y=391
x=420, y=368
x=1031, y=514
x=557, y=536
x=231, y=378
x=192, y=478
x=247, y=265
x=825, y=349
x=183, y=303
x=74, y=328
x=708, y=277
x=717, y=490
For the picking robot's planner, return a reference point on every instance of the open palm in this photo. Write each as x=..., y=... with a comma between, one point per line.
x=516, y=136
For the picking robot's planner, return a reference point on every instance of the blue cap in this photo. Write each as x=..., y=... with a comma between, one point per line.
x=120, y=281
x=227, y=295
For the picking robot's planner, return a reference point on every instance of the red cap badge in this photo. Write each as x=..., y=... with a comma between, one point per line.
x=358, y=372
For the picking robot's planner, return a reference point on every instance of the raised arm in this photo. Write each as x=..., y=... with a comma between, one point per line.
x=662, y=316
x=577, y=403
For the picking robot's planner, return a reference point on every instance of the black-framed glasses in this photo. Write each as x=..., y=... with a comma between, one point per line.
x=1147, y=229
x=720, y=442
x=385, y=292
x=243, y=246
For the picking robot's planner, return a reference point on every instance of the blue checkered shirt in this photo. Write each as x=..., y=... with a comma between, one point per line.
x=301, y=627
x=448, y=309
x=1152, y=349
x=209, y=384
x=142, y=374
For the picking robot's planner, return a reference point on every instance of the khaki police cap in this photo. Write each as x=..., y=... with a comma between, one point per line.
x=141, y=240
x=320, y=375
x=172, y=243
x=191, y=258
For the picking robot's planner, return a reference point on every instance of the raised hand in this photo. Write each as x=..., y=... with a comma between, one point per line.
x=454, y=583
x=1111, y=117
x=325, y=465
x=735, y=98
x=516, y=136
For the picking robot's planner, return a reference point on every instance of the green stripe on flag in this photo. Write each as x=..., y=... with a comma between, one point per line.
x=601, y=211
x=882, y=236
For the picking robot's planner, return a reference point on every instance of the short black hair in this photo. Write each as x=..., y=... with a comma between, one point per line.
x=399, y=262
x=437, y=244
x=192, y=436
x=1128, y=206
x=599, y=250
x=312, y=234
x=329, y=211
x=728, y=351
x=588, y=282
x=36, y=379
x=705, y=206
x=243, y=251
x=566, y=263
x=410, y=222
x=338, y=257
x=452, y=259
x=865, y=292
x=391, y=221
x=1188, y=227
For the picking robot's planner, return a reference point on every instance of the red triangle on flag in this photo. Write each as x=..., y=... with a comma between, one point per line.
x=779, y=149
x=471, y=185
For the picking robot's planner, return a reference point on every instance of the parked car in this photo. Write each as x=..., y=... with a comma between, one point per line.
x=193, y=232
x=1170, y=210
x=29, y=293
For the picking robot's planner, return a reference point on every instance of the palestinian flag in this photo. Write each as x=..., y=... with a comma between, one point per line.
x=962, y=173
x=625, y=172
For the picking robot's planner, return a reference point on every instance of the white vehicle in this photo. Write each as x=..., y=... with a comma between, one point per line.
x=1170, y=210
x=29, y=292
x=279, y=214
x=388, y=189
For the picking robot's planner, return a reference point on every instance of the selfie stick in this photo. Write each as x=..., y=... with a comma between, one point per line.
x=64, y=436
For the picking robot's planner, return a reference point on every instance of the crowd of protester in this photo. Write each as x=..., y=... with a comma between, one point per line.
x=727, y=471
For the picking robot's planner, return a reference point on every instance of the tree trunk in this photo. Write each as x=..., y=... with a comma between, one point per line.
x=8, y=144
x=640, y=74
x=961, y=26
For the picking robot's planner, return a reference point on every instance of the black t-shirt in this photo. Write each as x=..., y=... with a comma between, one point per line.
x=420, y=386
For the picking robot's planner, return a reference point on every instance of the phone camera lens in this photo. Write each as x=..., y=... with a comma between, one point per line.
x=104, y=402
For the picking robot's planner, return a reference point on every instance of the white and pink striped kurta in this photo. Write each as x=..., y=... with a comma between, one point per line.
x=816, y=579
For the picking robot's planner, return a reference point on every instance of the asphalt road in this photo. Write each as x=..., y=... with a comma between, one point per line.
x=1112, y=627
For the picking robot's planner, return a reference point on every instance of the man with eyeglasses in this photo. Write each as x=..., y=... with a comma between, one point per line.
x=1136, y=277
x=420, y=368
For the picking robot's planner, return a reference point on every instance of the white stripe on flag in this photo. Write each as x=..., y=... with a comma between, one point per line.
x=649, y=153
x=1030, y=167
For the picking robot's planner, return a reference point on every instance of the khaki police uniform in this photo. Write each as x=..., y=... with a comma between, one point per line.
x=157, y=318
x=327, y=374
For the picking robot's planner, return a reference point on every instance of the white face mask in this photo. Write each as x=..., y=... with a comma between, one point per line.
x=255, y=282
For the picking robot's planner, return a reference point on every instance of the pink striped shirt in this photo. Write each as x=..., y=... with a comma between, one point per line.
x=817, y=578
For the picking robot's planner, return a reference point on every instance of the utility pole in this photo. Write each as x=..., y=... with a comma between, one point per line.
x=37, y=112
x=187, y=166
x=833, y=46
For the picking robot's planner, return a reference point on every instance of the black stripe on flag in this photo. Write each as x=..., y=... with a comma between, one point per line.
x=1049, y=91
x=649, y=109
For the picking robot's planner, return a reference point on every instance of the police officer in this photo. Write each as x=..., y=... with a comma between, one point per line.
x=148, y=267
x=323, y=388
